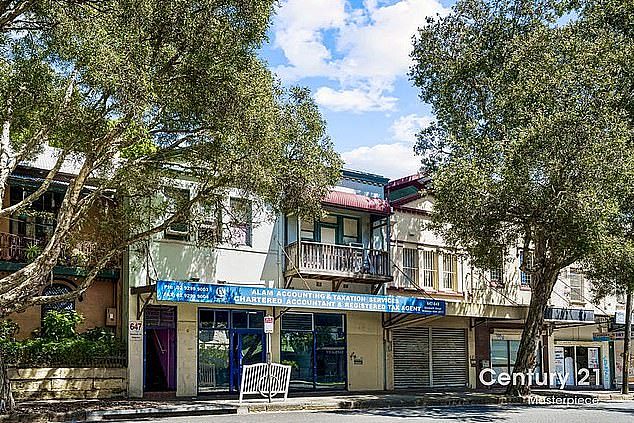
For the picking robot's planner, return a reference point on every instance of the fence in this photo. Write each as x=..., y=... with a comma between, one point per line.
x=255, y=380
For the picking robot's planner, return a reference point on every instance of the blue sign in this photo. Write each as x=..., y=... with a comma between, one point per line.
x=195, y=292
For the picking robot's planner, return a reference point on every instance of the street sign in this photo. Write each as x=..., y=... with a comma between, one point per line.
x=268, y=324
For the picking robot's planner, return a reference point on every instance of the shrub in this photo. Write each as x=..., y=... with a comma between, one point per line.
x=59, y=343
x=58, y=325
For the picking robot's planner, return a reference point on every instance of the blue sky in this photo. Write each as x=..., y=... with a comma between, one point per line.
x=354, y=56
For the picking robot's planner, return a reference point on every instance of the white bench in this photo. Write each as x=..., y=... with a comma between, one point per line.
x=255, y=380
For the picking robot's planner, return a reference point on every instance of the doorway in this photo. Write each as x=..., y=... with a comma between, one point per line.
x=159, y=349
x=227, y=340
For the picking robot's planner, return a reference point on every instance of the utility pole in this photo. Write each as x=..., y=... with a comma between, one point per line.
x=625, y=387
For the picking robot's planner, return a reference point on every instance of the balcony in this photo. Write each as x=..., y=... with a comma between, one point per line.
x=23, y=249
x=342, y=263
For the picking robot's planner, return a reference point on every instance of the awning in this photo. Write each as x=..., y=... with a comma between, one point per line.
x=357, y=202
x=196, y=292
x=556, y=314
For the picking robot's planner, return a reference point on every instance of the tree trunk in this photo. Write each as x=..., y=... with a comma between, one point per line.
x=7, y=404
x=542, y=289
x=625, y=387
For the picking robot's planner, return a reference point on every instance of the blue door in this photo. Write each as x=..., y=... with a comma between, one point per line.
x=247, y=347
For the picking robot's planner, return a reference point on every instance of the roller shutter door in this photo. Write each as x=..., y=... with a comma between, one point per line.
x=410, y=349
x=449, y=357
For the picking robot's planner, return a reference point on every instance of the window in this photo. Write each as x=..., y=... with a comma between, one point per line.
x=576, y=281
x=340, y=230
x=210, y=229
x=350, y=231
x=40, y=223
x=53, y=290
x=410, y=266
x=307, y=230
x=525, y=278
x=496, y=275
x=176, y=199
x=449, y=271
x=428, y=268
x=315, y=347
x=241, y=221
x=504, y=353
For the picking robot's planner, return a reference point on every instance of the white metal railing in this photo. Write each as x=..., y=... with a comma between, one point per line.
x=315, y=256
x=255, y=380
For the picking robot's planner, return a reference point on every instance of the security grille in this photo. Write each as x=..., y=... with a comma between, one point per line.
x=411, y=358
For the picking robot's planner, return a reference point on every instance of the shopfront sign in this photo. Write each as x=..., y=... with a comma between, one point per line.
x=196, y=292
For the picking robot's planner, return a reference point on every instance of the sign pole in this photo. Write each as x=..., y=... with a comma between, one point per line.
x=268, y=363
x=269, y=322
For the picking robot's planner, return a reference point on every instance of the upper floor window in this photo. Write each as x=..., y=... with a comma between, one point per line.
x=332, y=229
x=350, y=229
x=307, y=230
x=496, y=274
x=449, y=271
x=210, y=229
x=410, y=266
x=241, y=211
x=576, y=280
x=526, y=278
x=429, y=260
x=176, y=199
x=39, y=219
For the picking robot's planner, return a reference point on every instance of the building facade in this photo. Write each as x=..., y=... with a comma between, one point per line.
x=365, y=297
x=24, y=234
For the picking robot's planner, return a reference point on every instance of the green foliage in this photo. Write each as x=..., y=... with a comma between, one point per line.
x=8, y=330
x=149, y=91
x=59, y=325
x=32, y=251
x=532, y=140
x=59, y=343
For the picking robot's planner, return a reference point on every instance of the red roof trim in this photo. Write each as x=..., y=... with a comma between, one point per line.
x=348, y=200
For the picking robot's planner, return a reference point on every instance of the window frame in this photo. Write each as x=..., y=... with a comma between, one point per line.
x=526, y=279
x=176, y=234
x=428, y=256
x=454, y=262
x=581, y=278
x=411, y=273
x=246, y=227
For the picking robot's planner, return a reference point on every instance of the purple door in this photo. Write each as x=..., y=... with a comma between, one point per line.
x=160, y=349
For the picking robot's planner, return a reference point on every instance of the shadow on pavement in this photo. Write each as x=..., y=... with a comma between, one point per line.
x=475, y=414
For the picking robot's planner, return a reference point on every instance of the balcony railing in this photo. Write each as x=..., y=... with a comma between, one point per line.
x=24, y=249
x=332, y=261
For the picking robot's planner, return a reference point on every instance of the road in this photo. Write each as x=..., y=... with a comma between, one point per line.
x=607, y=412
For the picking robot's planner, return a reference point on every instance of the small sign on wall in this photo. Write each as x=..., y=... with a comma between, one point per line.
x=135, y=330
x=268, y=324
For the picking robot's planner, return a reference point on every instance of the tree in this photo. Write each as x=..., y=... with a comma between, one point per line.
x=137, y=93
x=611, y=269
x=532, y=140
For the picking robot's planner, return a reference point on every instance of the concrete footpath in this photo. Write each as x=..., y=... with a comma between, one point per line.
x=102, y=410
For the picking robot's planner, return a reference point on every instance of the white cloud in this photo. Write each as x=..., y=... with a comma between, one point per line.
x=367, y=48
x=395, y=158
x=405, y=128
x=390, y=160
x=355, y=100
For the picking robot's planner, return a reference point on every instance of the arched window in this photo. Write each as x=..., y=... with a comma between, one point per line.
x=57, y=289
